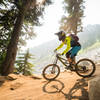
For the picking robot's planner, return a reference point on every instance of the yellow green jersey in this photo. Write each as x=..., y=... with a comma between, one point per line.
x=67, y=42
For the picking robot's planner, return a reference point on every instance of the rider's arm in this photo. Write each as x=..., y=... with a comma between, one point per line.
x=60, y=46
x=68, y=42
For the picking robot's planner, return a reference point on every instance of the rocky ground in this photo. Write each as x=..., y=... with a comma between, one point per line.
x=68, y=86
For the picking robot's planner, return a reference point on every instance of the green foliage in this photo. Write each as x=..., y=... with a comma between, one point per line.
x=23, y=65
x=73, y=22
x=9, y=11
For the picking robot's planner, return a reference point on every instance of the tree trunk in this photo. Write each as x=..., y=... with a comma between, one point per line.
x=8, y=64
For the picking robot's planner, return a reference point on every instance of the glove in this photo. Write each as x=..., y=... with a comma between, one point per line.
x=55, y=50
x=62, y=54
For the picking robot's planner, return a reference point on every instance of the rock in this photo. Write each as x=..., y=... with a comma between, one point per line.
x=12, y=76
x=94, y=89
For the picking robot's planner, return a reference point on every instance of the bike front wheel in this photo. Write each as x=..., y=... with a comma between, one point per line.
x=51, y=72
x=85, y=67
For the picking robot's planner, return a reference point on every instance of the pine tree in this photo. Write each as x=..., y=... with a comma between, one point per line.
x=73, y=22
x=23, y=64
x=19, y=12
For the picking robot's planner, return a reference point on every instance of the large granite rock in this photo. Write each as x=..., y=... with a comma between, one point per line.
x=94, y=89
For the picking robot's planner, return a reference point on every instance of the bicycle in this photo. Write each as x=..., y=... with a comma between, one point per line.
x=82, y=67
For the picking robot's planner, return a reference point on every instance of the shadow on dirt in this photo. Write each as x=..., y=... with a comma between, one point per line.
x=53, y=86
x=56, y=86
x=6, y=78
x=1, y=83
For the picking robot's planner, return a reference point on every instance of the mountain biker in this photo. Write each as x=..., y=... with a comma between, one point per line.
x=73, y=46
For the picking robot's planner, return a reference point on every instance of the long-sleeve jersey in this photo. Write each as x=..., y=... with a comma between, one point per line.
x=66, y=42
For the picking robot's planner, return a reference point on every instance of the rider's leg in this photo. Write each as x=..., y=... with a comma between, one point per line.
x=68, y=57
x=73, y=53
x=69, y=67
x=73, y=60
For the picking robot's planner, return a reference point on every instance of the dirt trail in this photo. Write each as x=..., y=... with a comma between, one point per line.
x=68, y=86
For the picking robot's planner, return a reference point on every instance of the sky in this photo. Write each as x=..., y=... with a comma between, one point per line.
x=53, y=16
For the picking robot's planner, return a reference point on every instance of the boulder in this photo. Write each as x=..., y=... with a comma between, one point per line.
x=94, y=89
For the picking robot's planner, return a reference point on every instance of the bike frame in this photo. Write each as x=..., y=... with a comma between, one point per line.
x=61, y=60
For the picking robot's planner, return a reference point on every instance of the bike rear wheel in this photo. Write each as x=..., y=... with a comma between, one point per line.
x=85, y=67
x=51, y=71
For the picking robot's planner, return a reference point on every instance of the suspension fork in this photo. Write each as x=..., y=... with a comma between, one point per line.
x=55, y=61
x=53, y=68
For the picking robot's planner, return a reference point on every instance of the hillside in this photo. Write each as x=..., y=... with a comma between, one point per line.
x=92, y=53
